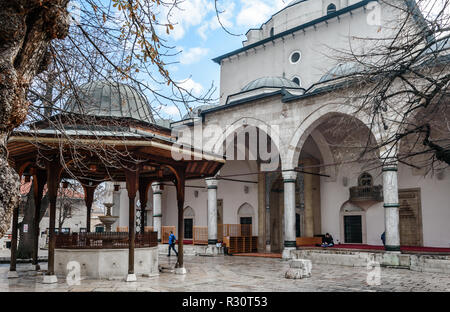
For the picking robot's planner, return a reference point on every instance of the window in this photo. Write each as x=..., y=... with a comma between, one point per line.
x=295, y=57
x=297, y=81
x=245, y=231
x=189, y=216
x=188, y=228
x=297, y=225
x=272, y=32
x=246, y=220
x=365, y=179
x=353, y=229
x=99, y=229
x=331, y=8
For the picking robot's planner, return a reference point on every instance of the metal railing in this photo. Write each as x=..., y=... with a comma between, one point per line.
x=106, y=240
x=366, y=193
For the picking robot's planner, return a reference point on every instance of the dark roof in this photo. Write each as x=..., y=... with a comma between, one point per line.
x=270, y=82
x=109, y=99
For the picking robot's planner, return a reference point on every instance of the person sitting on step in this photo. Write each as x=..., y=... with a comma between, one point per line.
x=327, y=241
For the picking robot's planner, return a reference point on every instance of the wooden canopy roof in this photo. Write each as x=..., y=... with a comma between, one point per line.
x=103, y=155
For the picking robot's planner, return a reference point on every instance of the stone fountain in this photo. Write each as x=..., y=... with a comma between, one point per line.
x=108, y=219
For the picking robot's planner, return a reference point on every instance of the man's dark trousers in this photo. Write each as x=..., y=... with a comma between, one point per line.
x=172, y=246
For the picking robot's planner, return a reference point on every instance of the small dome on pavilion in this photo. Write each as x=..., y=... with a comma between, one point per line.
x=270, y=82
x=110, y=99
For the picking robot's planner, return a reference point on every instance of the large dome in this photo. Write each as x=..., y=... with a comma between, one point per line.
x=270, y=82
x=110, y=99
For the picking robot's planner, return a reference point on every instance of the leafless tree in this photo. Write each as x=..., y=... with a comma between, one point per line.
x=47, y=53
x=401, y=79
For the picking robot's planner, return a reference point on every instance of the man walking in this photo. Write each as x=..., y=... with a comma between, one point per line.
x=172, y=240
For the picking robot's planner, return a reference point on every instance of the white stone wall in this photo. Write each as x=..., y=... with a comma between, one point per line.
x=106, y=263
x=334, y=194
x=435, y=197
x=232, y=193
x=272, y=59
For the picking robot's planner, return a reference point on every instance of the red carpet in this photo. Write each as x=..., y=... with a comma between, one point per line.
x=372, y=247
x=263, y=255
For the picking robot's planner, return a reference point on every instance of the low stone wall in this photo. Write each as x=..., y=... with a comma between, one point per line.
x=192, y=250
x=422, y=263
x=106, y=263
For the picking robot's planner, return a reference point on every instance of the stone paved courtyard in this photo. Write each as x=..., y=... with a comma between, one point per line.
x=228, y=274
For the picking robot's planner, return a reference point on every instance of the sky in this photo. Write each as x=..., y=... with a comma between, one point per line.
x=198, y=34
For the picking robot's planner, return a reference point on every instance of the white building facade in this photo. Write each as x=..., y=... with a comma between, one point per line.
x=278, y=84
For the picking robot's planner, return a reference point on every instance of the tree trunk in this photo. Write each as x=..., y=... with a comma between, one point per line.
x=26, y=29
x=9, y=188
x=26, y=240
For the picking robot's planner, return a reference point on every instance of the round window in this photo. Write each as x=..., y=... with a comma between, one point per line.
x=297, y=81
x=295, y=57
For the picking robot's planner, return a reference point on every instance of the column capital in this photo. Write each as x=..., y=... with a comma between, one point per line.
x=156, y=187
x=212, y=183
x=289, y=176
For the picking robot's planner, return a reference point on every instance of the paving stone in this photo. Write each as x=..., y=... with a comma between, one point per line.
x=239, y=274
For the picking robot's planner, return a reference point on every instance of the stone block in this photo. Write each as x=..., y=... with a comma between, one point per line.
x=180, y=271
x=131, y=278
x=50, y=279
x=299, y=268
x=13, y=274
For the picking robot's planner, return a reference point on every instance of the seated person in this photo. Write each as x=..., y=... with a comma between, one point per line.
x=327, y=241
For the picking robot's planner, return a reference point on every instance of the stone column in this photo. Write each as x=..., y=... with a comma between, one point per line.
x=289, y=179
x=261, y=212
x=157, y=208
x=212, y=210
x=312, y=199
x=116, y=207
x=391, y=207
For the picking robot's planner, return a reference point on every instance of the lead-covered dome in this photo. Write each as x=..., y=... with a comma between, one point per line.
x=109, y=99
x=270, y=82
x=341, y=70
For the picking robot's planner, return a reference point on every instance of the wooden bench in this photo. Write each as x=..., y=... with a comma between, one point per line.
x=241, y=244
x=308, y=241
x=122, y=229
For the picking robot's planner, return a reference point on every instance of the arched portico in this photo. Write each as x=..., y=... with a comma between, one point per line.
x=308, y=126
x=263, y=141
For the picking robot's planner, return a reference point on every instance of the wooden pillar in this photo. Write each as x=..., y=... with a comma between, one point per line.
x=89, y=190
x=144, y=185
x=180, y=183
x=39, y=180
x=132, y=178
x=53, y=179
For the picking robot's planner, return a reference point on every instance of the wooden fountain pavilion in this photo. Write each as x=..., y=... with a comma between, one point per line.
x=146, y=153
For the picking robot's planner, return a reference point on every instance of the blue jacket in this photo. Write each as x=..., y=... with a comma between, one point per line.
x=172, y=239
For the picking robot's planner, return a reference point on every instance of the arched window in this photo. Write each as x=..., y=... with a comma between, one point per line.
x=331, y=8
x=272, y=32
x=245, y=215
x=188, y=216
x=365, y=179
x=297, y=81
